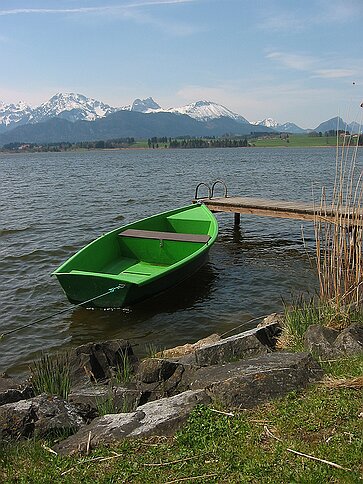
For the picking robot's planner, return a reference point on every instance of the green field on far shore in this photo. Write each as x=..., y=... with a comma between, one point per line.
x=294, y=141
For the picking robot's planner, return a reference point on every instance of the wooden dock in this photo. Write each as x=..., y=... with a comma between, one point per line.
x=268, y=208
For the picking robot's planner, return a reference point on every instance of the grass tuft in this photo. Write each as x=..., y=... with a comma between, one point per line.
x=124, y=370
x=154, y=351
x=301, y=314
x=355, y=383
x=51, y=375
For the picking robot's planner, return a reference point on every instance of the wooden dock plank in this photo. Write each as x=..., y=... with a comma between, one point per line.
x=269, y=208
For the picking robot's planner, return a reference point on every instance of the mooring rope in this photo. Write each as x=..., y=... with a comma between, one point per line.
x=245, y=324
x=111, y=290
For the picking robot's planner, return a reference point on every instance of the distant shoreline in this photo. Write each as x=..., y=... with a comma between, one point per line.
x=75, y=150
x=282, y=140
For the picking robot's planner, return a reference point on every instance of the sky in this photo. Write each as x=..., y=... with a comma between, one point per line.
x=291, y=60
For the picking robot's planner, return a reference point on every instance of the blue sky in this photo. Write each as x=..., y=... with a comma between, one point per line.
x=291, y=60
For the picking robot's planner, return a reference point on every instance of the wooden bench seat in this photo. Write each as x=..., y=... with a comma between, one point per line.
x=153, y=234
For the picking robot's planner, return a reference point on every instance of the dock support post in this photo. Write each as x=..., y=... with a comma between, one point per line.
x=237, y=219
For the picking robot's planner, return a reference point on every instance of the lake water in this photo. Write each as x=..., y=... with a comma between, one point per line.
x=52, y=204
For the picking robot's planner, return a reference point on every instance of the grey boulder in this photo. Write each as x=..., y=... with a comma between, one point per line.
x=39, y=416
x=248, y=383
x=160, y=417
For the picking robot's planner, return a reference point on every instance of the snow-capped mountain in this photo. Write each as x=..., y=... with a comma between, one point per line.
x=268, y=122
x=207, y=110
x=77, y=107
x=14, y=114
x=282, y=128
x=290, y=128
x=71, y=106
x=200, y=110
x=147, y=105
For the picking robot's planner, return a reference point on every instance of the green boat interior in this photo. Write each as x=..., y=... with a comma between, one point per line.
x=145, y=249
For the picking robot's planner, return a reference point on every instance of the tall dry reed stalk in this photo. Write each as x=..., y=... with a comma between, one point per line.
x=339, y=232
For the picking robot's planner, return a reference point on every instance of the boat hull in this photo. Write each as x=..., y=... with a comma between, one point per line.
x=121, y=295
x=135, y=262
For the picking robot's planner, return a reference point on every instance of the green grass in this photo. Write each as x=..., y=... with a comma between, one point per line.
x=351, y=367
x=154, y=350
x=123, y=371
x=140, y=144
x=321, y=422
x=301, y=314
x=51, y=375
x=294, y=141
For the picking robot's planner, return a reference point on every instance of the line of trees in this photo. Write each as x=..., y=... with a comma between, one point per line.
x=65, y=146
x=107, y=144
x=192, y=142
x=329, y=133
x=209, y=143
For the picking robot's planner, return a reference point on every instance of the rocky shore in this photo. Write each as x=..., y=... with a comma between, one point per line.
x=114, y=395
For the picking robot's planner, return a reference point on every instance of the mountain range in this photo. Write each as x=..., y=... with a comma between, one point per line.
x=74, y=117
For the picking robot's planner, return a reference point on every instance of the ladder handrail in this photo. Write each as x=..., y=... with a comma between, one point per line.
x=196, y=191
x=222, y=183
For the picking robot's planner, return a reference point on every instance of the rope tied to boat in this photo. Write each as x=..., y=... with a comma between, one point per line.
x=109, y=291
x=113, y=289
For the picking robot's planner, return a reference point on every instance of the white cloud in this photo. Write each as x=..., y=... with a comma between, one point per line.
x=338, y=11
x=334, y=73
x=136, y=11
x=103, y=9
x=301, y=16
x=173, y=27
x=293, y=61
x=317, y=67
x=284, y=21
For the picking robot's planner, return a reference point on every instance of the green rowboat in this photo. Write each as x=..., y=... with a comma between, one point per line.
x=141, y=259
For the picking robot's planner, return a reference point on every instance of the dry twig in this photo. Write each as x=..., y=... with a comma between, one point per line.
x=191, y=478
x=88, y=443
x=229, y=414
x=48, y=449
x=311, y=457
x=355, y=383
x=161, y=464
x=93, y=459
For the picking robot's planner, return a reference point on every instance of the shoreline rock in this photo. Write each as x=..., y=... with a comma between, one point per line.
x=39, y=416
x=14, y=389
x=160, y=417
x=330, y=343
x=157, y=394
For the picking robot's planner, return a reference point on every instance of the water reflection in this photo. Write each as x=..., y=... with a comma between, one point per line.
x=157, y=315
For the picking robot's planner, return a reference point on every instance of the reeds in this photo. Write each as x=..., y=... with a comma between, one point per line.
x=338, y=228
